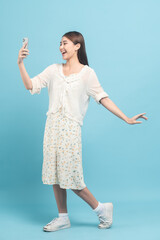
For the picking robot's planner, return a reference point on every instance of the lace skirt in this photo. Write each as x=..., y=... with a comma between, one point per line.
x=62, y=152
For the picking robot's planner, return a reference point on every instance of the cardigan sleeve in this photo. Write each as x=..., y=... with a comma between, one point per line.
x=40, y=81
x=94, y=88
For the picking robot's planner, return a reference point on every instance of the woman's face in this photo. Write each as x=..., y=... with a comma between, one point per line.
x=67, y=48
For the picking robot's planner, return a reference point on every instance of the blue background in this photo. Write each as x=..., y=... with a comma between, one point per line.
x=120, y=161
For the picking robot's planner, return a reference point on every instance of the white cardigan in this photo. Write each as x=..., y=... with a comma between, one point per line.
x=72, y=92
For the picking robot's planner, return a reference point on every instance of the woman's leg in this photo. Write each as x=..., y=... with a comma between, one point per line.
x=61, y=198
x=87, y=196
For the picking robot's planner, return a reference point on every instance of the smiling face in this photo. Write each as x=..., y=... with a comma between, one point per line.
x=68, y=48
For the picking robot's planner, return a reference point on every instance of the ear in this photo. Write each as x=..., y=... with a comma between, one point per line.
x=78, y=45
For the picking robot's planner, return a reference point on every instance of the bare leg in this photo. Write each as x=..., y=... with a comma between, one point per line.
x=61, y=198
x=87, y=196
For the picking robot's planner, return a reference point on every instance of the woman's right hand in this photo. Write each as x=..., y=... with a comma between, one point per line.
x=23, y=52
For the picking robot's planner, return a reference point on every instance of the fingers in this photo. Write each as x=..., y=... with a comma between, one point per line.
x=25, y=45
x=141, y=116
x=144, y=117
x=25, y=50
x=25, y=53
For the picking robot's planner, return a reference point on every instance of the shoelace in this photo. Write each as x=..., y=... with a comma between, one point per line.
x=103, y=219
x=55, y=219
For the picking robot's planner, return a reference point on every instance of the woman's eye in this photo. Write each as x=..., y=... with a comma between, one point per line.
x=64, y=44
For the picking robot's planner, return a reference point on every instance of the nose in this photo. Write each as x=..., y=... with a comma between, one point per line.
x=61, y=48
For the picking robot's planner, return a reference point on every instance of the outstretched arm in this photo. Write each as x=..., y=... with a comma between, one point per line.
x=110, y=105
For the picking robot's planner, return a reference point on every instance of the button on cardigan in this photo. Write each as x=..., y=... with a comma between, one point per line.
x=72, y=92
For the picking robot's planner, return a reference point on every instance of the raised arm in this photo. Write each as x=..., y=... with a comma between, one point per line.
x=24, y=75
x=41, y=80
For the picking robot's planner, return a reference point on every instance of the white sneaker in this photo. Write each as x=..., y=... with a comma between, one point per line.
x=106, y=218
x=57, y=224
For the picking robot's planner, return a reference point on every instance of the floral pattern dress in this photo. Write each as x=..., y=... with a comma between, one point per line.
x=62, y=152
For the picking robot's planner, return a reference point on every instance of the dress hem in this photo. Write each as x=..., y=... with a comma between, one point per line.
x=61, y=186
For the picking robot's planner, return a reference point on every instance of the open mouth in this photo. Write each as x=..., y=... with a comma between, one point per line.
x=64, y=53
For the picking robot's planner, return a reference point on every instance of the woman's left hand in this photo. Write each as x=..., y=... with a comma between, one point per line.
x=133, y=119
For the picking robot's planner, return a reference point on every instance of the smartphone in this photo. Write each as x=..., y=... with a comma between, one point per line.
x=25, y=40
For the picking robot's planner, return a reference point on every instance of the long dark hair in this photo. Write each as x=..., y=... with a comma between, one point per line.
x=77, y=37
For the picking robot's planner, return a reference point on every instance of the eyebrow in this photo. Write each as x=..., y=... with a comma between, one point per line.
x=64, y=41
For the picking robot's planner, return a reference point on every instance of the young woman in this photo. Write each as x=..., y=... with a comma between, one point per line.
x=70, y=86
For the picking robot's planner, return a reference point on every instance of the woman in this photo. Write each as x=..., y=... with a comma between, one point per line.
x=70, y=86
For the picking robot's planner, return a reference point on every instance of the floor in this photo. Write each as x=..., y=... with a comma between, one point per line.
x=25, y=220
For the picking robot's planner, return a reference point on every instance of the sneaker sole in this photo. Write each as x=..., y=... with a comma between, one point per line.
x=53, y=230
x=104, y=227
